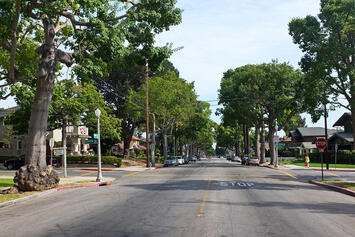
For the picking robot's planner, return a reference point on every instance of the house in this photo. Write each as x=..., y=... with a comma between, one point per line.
x=304, y=138
x=76, y=137
x=343, y=140
x=15, y=145
x=118, y=149
x=10, y=145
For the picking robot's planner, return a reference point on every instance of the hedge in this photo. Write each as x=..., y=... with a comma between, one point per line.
x=343, y=157
x=108, y=160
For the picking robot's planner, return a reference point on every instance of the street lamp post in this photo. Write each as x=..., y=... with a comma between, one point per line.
x=99, y=172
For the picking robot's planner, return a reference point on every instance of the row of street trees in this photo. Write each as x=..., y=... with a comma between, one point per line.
x=275, y=94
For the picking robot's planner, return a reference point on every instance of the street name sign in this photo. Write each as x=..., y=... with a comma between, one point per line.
x=58, y=151
x=96, y=136
x=321, y=144
x=91, y=141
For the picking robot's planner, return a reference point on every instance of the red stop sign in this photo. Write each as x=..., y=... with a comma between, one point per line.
x=321, y=144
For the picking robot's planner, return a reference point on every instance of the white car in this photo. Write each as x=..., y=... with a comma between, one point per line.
x=180, y=159
x=236, y=158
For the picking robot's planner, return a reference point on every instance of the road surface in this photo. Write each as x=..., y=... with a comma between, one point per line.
x=209, y=198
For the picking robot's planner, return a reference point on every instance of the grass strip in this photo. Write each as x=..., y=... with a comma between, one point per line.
x=317, y=165
x=343, y=184
x=10, y=197
x=5, y=183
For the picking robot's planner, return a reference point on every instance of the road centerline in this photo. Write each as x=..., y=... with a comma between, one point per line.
x=203, y=203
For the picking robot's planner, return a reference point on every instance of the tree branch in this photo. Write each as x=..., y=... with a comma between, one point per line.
x=64, y=57
x=13, y=29
x=59, y=26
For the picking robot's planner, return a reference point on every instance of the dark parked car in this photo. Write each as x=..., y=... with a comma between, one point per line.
x=16, y=163
x=186, y=159
x=245, y=160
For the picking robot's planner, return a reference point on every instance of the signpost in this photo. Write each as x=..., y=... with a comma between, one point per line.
x=51, y=145
x=321, y=144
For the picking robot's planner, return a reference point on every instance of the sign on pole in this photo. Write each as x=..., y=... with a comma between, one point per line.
x=91, y=141
x=51, y=143
x=58, y=151
x=96, y=136
x=321, y=144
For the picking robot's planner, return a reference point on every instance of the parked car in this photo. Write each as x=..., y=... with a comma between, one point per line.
x=171, y=161
x=181, y=160
x=229, y=158
x=186, y=159
x=16, y=163
x=253, y=161
x=235, y=159
x=192, y=158
x=198, y=157
x=245, y=160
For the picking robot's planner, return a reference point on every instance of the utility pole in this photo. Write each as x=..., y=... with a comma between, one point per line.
x=147, y=108
x=326, y=136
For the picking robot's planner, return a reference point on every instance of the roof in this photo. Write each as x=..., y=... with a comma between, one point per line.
x=3, y=112
x=343, y=119
x=315, y=131
x=347, y=136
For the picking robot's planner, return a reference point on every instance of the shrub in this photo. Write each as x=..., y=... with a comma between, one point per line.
x=108, y=160
x=343, y=157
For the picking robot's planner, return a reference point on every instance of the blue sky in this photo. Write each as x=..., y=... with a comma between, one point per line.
x=218, y=35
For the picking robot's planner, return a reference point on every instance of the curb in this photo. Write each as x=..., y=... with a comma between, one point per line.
x=333, y=170
x=334, y=188
x=85, y=185
x=19, y=200
x=12, y=202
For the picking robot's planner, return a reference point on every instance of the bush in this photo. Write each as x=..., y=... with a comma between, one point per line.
x=107, y=160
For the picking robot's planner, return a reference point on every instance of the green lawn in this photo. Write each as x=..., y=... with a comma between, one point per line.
x=349, y=185
x=301, y=163
x=4, y=183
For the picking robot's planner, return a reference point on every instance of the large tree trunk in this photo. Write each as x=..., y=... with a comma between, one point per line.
x=237, y=147
x=271, y=143
x=262, y=146
x=257, y=141
x=36, y=175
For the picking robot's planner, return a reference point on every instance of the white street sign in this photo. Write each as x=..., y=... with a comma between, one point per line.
x=51, y=142
x=58, y=151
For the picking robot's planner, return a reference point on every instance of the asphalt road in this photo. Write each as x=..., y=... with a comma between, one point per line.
x=209, y=198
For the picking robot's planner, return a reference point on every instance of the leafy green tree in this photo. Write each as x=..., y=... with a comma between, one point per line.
x=59, y=26
x=274, y=89
x=328, y=44
x=171, y=99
